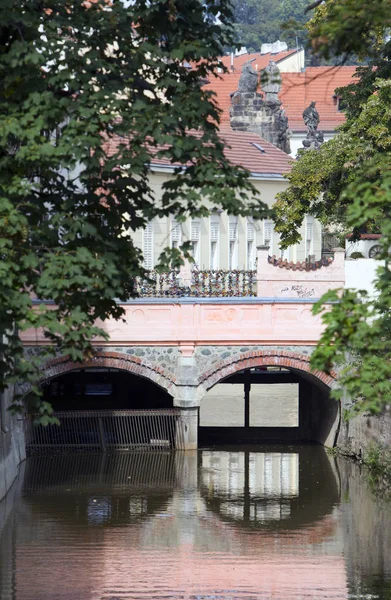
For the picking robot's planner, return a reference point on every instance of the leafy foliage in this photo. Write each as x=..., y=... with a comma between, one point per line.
x=348, y=183
x=82, y=87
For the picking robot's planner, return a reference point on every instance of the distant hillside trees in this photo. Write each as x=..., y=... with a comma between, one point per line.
x=262, y=21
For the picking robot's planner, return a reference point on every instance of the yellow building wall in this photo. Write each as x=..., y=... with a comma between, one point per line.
x=268, y=190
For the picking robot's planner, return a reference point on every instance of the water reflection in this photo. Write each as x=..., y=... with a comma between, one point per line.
x=270, y=488
x=221, y=525
x=250, y=486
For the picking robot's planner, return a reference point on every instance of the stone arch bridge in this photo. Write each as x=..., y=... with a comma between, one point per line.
x=185, y=346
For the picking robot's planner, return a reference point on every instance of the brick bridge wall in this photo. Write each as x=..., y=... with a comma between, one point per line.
x=188, y=373
x=187, y=377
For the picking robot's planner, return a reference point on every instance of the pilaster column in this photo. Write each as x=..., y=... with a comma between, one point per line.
x=262, y=256
x=339, y=265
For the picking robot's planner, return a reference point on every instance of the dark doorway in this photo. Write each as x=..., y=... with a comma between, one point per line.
x=101, y=389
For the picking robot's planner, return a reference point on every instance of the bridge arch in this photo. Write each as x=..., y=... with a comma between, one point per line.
x=267, y=358
x=114, y=360
x=318, y=415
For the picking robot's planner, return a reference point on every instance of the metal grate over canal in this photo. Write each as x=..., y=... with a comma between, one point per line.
x=106, y=430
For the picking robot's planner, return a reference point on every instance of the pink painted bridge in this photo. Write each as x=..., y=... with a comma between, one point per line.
x=184, y=346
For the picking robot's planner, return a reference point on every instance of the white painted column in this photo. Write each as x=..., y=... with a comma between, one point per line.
x=262, y=256
x=187, y=399
x=187, y=429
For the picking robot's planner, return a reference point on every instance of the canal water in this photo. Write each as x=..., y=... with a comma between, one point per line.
x=281, y=523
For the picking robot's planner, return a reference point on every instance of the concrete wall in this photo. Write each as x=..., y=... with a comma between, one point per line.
x=191, y=322
x=293, y=63
x=298, y=137
x=278, y=281
x=12, y=448
x=359, y=434
x=361, y=274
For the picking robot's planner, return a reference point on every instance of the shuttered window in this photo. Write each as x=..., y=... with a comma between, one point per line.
x=268, y=235
x=214, y=225
x=214, y=232
x=308, y=236
x=250, y=258
x=148, y=246
x=233, y=227
x=233, y=243
x=196, y=239
x=285, y=254
x=175, y=234
x=195, y=230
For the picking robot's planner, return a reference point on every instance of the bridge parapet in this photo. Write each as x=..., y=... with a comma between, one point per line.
x=281, y=312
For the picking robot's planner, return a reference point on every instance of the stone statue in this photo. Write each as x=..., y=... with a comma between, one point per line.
x=311, y=118
x=271, y=82
x=250, y=112
x=314, y=138
x=284, y=133
x=248, y=81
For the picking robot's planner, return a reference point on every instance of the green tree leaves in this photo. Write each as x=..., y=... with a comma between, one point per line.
x=347, y=183
x=90, y=95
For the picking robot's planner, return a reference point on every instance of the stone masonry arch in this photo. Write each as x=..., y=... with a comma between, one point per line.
x=114, y=360
x=250, y=359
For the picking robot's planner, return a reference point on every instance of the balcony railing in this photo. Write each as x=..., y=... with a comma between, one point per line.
x=222, y=283
x=209, y=283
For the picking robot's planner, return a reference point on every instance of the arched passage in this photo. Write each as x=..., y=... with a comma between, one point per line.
x=317, y=414
x=105, y=403
x=109, y=380
x=111, y=360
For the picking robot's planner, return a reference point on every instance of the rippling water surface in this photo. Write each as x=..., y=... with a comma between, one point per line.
x=283, y=523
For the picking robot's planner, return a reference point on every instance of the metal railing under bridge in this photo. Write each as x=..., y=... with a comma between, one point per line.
x=106, y=430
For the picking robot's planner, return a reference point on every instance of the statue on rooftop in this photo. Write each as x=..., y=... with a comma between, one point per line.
x=248, y=81
x=314, y=138
x=284, y=133
x=311, y=118
x=271, y=82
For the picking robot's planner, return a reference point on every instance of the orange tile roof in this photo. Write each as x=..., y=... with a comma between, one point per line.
x=260, y=61
x=243, y=152
x=240, y=150
x=314, y=84
x=298, y=90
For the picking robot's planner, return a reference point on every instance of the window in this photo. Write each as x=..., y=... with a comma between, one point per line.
x=214, y=241
x=148, y=246
x=339, y=103
x=195, y=240
x=268, y=235
x=176, y=234
x=308, y=237
x=250, y=257
x=233, y=243
x=284, y=254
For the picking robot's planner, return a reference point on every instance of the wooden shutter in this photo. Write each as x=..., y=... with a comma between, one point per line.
x=148, y=246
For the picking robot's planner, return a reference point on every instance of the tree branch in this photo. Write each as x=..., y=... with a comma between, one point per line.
x=313, y=5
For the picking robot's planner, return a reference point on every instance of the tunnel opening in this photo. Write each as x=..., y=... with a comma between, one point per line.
x=103, y=389
x=103, y=409
x=268, y=404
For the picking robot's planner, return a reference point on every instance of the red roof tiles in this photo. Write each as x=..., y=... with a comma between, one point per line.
x=316, y=84
x=243, y=149
x=243, y=152
x=298, y=90
x=260, y=61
